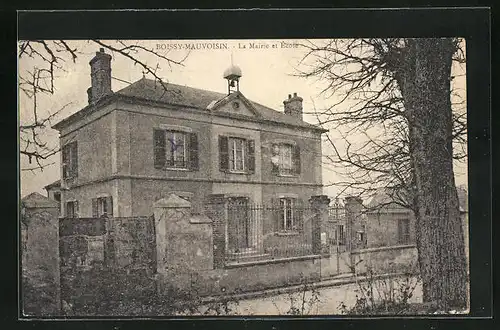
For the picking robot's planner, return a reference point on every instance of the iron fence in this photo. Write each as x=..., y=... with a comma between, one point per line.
x=260, y=232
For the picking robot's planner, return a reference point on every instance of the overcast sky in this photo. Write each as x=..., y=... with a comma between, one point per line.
x=267, y=79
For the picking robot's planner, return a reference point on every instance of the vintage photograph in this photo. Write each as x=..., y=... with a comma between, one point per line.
x=243, y=177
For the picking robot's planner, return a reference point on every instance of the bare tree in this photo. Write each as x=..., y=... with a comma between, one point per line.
x=48, y=60
x=369, y=115
x=394, y=98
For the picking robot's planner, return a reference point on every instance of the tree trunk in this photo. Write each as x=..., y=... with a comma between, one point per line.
x=425, y=86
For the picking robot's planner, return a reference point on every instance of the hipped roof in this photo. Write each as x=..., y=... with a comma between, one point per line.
x=199, y=99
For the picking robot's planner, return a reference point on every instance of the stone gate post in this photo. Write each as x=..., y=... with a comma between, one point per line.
x=319, y=205
x=183, y=243
x=353, y=209
x=217, y=211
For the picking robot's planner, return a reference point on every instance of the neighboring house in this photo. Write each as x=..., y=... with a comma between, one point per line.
x=388, y=223
x=54, y=192
x=127, y=149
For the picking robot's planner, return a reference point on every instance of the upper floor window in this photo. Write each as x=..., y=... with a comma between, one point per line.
x=175, y=149
x=102, y=207
x=72, y=209
x=70, y=160
x=403, y=231
x=286, y=159
x=237, y=155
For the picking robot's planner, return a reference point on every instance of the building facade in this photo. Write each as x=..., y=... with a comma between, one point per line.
x=389, y=224
x=130, y=148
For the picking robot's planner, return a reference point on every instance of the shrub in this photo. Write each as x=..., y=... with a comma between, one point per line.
x=390, y=295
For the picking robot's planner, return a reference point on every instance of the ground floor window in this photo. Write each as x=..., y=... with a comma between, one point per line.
x=404, y=231
x=102, y=207
x=288, y=214
x=340, y=234
x=72, y=209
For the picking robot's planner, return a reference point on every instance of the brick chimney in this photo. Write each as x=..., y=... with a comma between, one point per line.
x=293, y=106
x=100, y=74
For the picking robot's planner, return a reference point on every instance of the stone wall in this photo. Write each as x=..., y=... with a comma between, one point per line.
x=105, y=261
x=382, y=227
x=386, y=259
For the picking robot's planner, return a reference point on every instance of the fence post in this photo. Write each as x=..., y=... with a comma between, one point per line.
x=217, y=211
x=353, y=208
x=319, y=206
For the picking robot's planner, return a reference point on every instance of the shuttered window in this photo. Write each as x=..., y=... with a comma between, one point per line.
x=236, y=155
x=175, y=149
x=285, y=159
x=72, y=209
x=70, y=160
x=102, y=207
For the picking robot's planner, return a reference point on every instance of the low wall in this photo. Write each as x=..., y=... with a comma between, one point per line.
x=104, y=261
x=386, y=259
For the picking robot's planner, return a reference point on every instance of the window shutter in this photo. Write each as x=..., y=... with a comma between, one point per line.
x=296, y=159
x=159, y=148
x=76, y=210
x=298, y=206
x=95, y=210
x=74, y=159
x=109, y=204
x=274, y=166
x=65, y=161
x=276, y=214
x=400, y=231
x=250, y=156
x=193, y=152
x=223, y=153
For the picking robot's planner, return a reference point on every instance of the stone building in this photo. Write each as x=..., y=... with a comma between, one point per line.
x=390, y=224
x=127, y=149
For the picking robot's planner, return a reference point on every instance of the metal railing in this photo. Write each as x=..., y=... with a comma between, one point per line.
x=266, y=232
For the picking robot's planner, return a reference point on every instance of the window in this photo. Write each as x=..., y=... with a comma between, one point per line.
x=175, y=149
x=57, y=198
x=102, y=207
x=287, y=219
x=72, y=209
x=237, y=155
x=403, y=231
x=70, y=160
x=286, y=159
x=340, y=234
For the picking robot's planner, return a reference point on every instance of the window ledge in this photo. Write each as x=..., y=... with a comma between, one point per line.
x=182, y=169
x=271, y=261
x=239, y=172
x=287, y=233
x=287, y=175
